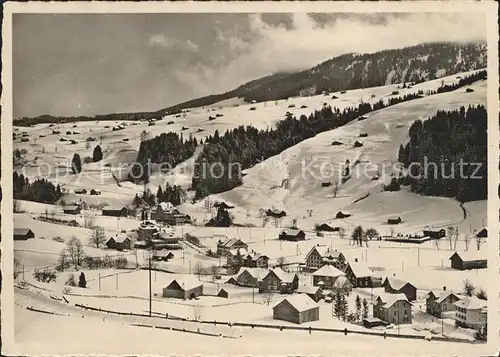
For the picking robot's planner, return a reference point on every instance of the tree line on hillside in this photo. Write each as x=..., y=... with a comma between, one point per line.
x=446, y=139
x=168, y=148
x=248, y=146
x=465, y=81
x=173, y=194
x=52, y=119
x=41, y=190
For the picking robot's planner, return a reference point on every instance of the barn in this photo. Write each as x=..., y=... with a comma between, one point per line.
x=292, y=234
x=115, y=212
x=341, y=215
x=72, y=210
x=394, y=285
x=297, y=309
x=183, y=288
x=469, y=260
x=328, y=228
x=394, y=220
x=23, y=234
x=120, y=242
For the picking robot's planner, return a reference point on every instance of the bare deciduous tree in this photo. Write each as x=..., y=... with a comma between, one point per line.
x=342, y=232
x=75, y=251
x=88, y=221
x=281, y=262
x=97, y=237
x=198, y=269
x=214, y=271
x=268, y=298
x=197, y=312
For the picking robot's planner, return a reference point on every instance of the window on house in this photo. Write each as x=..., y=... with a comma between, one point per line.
x=444, y=306
x=394, y=313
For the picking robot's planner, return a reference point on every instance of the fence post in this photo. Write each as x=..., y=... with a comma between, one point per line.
x=345, y=332
x=310, y=329
x=385, y=335
x=281, y=328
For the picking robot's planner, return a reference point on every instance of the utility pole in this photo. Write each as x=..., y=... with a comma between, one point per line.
x=99, y=281
x=442, y=325
x=190, y=267
x=23, y=272
x=150, y=284
x=418, y=254
x=116, y=281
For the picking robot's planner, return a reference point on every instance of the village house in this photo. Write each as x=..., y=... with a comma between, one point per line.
x=341, y=215
x=115, y=212
x=23, y=234
x=359, y=274
x=439, y=303
x=392, y=308
x=147, y=231
x=255, y=260
x=222, y=205
x=214, y=290
x=314, y=292
x=80, y=191
x=343, y=284
x=321, y=255
x=223, y=247
x=120, y=242
x=471, y=312
x=469, y=260
x=275, y=213
x=166, y=212
x=394, y=285
x=183, y=288
x=162, y=255
x=326, y=276
x=250, y=277
x=292, y=234
x=277, y=280
x=297, y=309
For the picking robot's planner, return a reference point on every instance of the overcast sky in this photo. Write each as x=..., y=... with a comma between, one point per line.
x=86, y=64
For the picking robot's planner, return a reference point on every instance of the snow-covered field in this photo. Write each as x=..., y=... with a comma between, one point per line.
x=425, y=265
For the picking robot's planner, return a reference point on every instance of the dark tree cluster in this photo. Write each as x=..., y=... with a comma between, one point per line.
x=173, y=194
x=218, y=168
x=222, y=219
x=447, y=155
x=465, y=81
x=41, y=190
x=168, y=148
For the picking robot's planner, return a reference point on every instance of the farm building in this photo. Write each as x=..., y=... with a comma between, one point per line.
x=251, y=277
x=469, y=260
x=358, y=274
x=162, y=255
x=341, y=215
x=471, y=312
x=438, y=303
x=336, y=143
x=223, y=205
x=167, y=238
x=392, y=308
x=325, y=227
x=72, y=209
x=95, y=192
x=223, y=247
x=23, y=234
x=115, y=212
x=292, y=234
x=147, y=231
x=213, y=290
x=183, y=288
x=120, y=242
x=483, y=233
x=394, y=220
x=255, y=260
x=276, y=213
x=297, y=309
x=326, y=184
x=321, y=255
x=342, y=284
x=81, y=191
x=326, y=276
x=394, y=285
x=314, y=292
x=358, y=144
x=277, y=280
x=434, y=234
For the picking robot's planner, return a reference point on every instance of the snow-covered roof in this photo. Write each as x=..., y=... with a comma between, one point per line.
x=165, y=206
x=228, y=243
x=471, y=303
x=186, y=282
x=471, y=255
x=396, y=283
x=360, y=269
x=328, y=270
x=283, y=276
x=390, y=299
x=21, y=231
x=300, y=302
x=324, y=251
x=291, y=231
x=341, y=281
x=71, y=208
x=308, y=289
x=242, y=251
x=257, y=273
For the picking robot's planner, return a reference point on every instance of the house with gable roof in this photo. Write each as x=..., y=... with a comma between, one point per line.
x=439, y=303
x=393, y=285
x=298, y=309
x=326, y=276
x=321, y=255
x=359, y=274
x=223, y=247
x=280, y=281
x=471, y=312
x=392, y=308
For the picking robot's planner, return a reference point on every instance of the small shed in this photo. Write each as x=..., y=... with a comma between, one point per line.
x=394, y=285
x=483, y=233
x=23, y=234
x=335, y=143
x=358, y=144
x=72, y=209
x=223, y=293
x=363, y=135
x=314, y=292
x=326, y=184
x=328, y=228
x=341, y=215
x=394, y=220
x=115, y=212
x=297, y=309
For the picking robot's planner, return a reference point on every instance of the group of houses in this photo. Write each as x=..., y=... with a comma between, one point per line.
x=187, y=287
x=165, y=212
x=151, y=235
